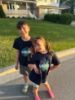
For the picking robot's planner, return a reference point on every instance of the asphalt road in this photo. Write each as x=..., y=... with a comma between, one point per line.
x=62, y=81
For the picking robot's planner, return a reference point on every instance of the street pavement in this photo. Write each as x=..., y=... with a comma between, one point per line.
x=62, y=81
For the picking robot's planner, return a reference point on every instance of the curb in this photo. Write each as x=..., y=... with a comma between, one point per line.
x=65, y=53
x=9, y=73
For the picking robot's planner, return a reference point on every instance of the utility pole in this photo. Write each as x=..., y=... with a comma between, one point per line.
x=0, y=2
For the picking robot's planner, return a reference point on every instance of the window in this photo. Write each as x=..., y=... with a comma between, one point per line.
x=51, y=1
x=45, y=0
x=57, y=1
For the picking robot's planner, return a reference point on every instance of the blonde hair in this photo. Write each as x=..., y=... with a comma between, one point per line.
x=45, y=42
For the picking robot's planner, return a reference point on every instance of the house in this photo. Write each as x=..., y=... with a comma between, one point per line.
x=0, y=2
x=67, y=6
x=30, y=8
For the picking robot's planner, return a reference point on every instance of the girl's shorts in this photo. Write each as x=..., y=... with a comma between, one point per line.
x=36, y=85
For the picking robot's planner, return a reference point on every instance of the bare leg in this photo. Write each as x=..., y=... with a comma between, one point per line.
x=35, y=91
x=25, y=89
x=25, y=77
x=49, y=90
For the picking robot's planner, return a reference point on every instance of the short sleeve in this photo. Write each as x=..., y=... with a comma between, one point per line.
x=16, y=44
x=55, y=60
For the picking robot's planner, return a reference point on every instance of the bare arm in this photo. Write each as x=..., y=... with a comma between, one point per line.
x=54, y=67
x=17, y=60
x=33, y=67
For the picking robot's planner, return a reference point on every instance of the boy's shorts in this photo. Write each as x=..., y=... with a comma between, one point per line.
x=24, y=70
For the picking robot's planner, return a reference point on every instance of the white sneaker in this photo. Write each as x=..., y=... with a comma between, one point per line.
x=25, y=89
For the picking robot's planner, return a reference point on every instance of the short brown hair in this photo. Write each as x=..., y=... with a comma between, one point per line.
x=21, y=23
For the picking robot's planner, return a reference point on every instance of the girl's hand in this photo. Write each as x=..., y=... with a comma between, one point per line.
x=33, y=67
x=36, y=69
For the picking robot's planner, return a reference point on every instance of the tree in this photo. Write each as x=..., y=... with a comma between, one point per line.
x=72, y=6
x=71, y=3
x=62, y=1
x=2, y=14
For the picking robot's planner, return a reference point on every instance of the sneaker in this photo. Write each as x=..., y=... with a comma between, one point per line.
x=51, y=94
x=37, y=98
x=25, y=89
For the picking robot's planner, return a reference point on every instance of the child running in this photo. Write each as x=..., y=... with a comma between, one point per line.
x=42, y=61
x=23, y=44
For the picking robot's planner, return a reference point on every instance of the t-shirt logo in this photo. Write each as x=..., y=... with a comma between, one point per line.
x=44, y=65
x=25, y=52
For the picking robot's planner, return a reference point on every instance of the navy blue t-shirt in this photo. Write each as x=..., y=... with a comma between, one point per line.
x=24, y=50
x=43, y=63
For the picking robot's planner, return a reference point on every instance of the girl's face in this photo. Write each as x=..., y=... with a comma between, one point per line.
x=39, y=46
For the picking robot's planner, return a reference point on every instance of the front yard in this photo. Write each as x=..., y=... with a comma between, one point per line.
x=61, y=37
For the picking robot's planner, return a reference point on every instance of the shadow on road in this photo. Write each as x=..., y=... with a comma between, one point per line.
x=14, y=92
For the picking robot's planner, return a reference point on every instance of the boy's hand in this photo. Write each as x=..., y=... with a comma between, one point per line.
x=16, y=66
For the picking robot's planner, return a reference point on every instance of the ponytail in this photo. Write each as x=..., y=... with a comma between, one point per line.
x=48, y=46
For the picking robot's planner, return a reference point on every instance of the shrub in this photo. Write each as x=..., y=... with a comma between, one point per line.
x=2, y=14
x=59, y=18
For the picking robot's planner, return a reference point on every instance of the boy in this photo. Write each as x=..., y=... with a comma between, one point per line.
x=23, y=44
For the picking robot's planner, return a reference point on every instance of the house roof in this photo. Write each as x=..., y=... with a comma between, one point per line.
x=32, y=1
x=52, y=7
x=65, y=6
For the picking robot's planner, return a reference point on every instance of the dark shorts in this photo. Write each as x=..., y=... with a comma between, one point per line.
x=24, y=70
x=36, y=78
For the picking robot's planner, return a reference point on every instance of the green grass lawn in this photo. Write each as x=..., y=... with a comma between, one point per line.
x=61, y=36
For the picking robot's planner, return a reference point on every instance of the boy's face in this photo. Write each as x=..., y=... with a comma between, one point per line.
x=24, y=30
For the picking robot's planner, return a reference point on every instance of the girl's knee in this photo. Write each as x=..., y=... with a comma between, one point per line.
x=46, y=83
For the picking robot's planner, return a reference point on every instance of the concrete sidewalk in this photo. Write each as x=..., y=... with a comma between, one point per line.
x=9, y=73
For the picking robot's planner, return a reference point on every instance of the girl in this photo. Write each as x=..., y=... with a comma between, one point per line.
x=42, y=61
